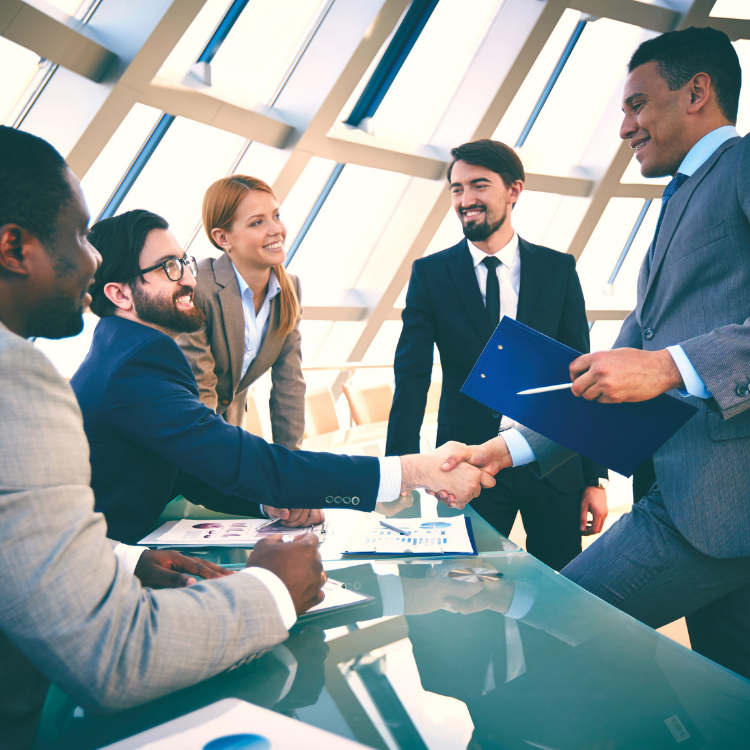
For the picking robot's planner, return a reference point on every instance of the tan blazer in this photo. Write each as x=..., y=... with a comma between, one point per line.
x=215, y=354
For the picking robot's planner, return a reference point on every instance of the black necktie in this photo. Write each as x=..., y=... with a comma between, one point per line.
x=493, y=291
x=669, y=191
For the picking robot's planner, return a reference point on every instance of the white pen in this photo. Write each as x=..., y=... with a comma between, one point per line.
x=267, y=523
x=394, y=528
x=546, y=388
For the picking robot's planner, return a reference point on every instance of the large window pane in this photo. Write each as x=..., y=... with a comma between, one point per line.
x=19, y=67
x=189, y=158
x=347, y=228
x=591, y=76
x=731, y=9
x=418, y=97
x=257, y=53
x=115, y=158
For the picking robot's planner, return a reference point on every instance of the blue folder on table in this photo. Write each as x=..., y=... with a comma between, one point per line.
x=618, y=436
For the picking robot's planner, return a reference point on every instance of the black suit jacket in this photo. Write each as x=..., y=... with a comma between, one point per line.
x=444, y=306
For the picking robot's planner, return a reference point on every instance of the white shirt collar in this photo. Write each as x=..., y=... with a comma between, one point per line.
x=505, y=255
x=273, y=285
x=698, y=154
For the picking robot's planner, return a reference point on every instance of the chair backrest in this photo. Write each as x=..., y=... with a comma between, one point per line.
x=369, y=404
x=252, y=421
x=320, y=413
x=433, y=397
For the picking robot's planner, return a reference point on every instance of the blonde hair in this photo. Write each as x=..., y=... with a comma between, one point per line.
x=219, y=208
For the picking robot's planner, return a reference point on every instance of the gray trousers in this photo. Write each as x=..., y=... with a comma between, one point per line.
x=646, y=568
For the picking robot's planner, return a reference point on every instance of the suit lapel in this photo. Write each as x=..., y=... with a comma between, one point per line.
x=675, y=209
x=530, y=280
x=461, y=269
x=232, y=314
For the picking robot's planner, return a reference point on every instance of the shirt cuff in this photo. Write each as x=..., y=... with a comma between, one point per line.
x=278, y=591
x=128, y=556
x=392, y=595
x=390, y=479
x=694, y=385
x=519, y=449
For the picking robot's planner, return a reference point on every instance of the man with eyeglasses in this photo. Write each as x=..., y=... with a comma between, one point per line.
x=152, y=439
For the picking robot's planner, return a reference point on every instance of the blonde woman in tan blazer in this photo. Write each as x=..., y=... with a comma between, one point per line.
x=252, y=309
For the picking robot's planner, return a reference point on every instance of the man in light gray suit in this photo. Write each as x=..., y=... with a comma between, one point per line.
x=71, y=611
x=684, y=550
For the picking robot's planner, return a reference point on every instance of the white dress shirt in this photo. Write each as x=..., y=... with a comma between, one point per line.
x=508, y=274
x=256, y=326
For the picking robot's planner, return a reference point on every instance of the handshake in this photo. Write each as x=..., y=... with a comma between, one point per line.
x=455, y=473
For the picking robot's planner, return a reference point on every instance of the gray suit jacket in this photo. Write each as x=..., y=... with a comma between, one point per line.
x=698, y=295
x=69, y=612
x=215, y=354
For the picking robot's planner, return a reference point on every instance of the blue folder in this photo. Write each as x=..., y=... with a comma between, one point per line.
x=618, y=436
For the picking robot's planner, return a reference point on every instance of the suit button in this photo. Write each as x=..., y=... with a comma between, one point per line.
x=355, y=501
x=225, y=401
x=329, y=499
x=347, y=500
x=495, y=415
x=742, y=391
x=337, y=499
x=648, y=334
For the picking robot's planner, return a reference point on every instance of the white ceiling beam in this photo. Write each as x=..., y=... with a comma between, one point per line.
x=652, y=17
x=43, y=29
x=637, y=190
x=261, y=124
x=592, y=315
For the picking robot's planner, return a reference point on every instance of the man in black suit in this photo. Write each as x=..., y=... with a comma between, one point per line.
x=455, y=300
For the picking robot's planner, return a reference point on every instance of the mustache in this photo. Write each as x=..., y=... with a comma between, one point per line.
x=182, y=292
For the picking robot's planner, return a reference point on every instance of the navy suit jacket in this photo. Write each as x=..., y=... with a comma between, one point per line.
x=145, y=422
x=444, y=306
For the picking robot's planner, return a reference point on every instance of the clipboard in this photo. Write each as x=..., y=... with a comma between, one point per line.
x=619, y=436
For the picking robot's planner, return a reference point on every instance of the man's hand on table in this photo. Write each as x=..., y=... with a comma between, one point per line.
x=594, y=501
x=624, y=375
x=169, y=569
x=490, y=457
x=296, y=563
x=295, y=517
x=459, y=485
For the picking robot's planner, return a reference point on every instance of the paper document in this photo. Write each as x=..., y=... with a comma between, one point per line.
x=337, y=597
x=233, y=723
x=233, y=532
x=440, y=536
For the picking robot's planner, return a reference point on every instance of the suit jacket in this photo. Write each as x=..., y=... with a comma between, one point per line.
x=69, y=612
x=145, y=421
x=215, y=354
x=698, y=295
x=444, y=306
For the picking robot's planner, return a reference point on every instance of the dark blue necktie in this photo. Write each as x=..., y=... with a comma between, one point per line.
x=669, y=191
x=493, y=290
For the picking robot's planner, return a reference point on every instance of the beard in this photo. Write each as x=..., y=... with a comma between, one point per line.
x=161, y=310
x=481, y=229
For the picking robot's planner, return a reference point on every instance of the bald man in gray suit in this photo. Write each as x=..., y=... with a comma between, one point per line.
x=684, y=550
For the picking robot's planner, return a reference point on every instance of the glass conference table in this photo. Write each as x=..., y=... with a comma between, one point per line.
x=494, y=651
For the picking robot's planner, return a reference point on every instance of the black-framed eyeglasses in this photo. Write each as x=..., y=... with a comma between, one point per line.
x=175, y=267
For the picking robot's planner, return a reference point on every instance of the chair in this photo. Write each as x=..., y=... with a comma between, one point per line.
x=320, y=413
x=369, y=404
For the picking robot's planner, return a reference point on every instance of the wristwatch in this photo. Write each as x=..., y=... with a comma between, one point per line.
x=601, y=482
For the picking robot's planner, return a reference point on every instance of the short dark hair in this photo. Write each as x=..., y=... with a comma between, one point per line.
x=33, y=184
x=119, y=241
x=492, y=155
x=680, y=55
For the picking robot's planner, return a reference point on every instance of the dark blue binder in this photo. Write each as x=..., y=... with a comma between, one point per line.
x=618, y=436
